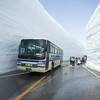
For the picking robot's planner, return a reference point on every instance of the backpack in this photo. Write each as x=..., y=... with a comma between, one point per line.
x=72, y=59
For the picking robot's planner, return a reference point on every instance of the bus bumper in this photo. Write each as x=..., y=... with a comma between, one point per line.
x=30, y=69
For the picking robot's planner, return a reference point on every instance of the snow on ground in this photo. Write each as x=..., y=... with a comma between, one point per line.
x=28, y=19
x=93, y=40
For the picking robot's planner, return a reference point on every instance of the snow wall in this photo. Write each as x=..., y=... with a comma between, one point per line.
x=93, y=40
x=28, y=19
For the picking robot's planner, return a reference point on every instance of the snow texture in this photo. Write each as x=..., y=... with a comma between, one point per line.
x=93, y=40
x=28, y=19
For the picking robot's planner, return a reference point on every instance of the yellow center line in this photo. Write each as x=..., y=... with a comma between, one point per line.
x=26, y=91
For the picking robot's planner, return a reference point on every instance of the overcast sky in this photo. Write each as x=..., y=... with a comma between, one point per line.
x=72, y=15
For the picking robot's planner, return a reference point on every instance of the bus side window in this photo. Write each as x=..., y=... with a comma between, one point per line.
x=55, y=51
x=50, y=49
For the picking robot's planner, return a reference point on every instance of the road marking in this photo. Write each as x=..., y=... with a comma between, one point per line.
x=39, y=85
x=30, y=88
x=14, y=74
x=92, y=72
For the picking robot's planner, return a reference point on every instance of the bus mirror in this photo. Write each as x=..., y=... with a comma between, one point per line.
x=46, y=48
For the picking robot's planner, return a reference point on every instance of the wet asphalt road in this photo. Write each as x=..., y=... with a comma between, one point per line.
x=78, y=84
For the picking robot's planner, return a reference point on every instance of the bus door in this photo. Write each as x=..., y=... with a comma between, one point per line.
x=47, y=58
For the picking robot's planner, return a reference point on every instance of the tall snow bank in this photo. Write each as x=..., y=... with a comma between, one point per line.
x=93, y=40
x=27, y=19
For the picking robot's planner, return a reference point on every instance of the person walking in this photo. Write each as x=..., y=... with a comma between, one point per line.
x=84, y=60
x=73, y=61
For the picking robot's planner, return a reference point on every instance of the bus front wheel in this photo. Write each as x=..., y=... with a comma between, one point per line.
x=52, y=67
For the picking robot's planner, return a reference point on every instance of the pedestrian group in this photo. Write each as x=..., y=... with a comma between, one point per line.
x=77, y=60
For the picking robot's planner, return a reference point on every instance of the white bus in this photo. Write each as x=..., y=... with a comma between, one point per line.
x=38, y=55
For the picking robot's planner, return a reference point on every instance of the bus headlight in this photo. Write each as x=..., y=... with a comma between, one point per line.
x=40, y=65
x=19, y=63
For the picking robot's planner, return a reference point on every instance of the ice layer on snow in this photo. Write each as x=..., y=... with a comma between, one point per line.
x=93, y=40
x=28, y=19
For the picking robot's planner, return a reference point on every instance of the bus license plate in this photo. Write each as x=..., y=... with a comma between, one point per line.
x=28, y=64
x=28, y=69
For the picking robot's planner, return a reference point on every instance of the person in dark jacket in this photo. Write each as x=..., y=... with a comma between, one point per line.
x=76, y=60
x=73, y=61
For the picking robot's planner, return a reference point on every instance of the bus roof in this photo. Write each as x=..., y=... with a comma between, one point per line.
x=35, y=38
x=41, y=39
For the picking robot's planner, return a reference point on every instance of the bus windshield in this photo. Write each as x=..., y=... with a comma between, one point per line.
x=32, y=49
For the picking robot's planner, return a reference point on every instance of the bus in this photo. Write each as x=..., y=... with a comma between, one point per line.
x=38, y=55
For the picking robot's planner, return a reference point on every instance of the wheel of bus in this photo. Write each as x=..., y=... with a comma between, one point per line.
x=52, y=67
x=60, y=63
